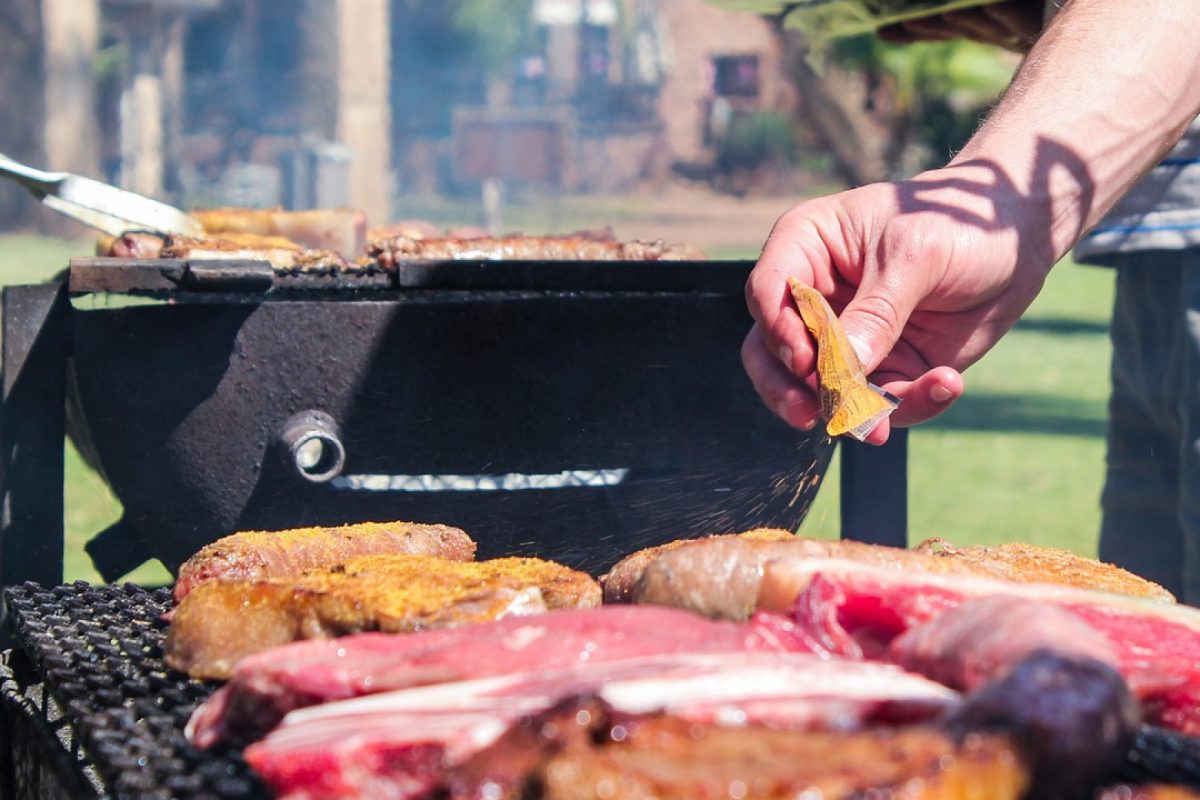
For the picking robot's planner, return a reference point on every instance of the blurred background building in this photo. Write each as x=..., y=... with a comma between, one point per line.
x=305, y=103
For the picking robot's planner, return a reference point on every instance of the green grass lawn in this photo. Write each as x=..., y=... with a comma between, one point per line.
x=90, y=506
x=1020, y=457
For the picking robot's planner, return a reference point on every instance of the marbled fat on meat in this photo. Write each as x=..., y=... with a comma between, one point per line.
x=972, y=643
x=856, y=610
x=266, y=686
x=397, y=744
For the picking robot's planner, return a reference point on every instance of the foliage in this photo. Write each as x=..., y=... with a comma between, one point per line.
x=499, y=30
x=928, y=97
x=756, y=139
x=969, y=71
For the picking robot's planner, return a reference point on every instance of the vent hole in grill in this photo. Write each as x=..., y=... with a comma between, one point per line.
x=319, y=457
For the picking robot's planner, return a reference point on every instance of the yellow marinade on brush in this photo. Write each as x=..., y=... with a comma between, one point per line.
x=849, y=403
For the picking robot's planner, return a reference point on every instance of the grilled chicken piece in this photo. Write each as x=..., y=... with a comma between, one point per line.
x=221, y=622
x=282, y=254
x=259, y=555
x=582, y=751
x=1027, y=563
x=341, y=230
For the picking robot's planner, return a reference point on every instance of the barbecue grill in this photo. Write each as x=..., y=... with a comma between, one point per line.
x=572, y=410
x=575, y=410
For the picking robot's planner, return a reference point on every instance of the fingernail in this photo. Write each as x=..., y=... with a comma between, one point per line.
x=785, y=355
x=940, y=394
x=809, y=424
x=861, y=349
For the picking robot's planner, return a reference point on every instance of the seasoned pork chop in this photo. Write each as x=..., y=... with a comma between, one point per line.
x=221, y=622
x=259, y=555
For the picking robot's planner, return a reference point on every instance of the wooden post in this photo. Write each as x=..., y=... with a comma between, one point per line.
x=141, y=105
x=71, y=31
x=874, y=501
x=363, y=107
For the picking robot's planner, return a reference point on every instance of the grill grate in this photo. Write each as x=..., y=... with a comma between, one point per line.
x=99, y=651
x=97, y=688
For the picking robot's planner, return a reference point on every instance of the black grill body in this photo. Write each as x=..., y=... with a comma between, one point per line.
x=572, y=410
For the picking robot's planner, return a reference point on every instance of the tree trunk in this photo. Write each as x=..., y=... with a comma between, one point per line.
x=834, y=108
x=22, y=105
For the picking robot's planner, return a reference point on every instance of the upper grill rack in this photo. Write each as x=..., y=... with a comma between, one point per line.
x=158, y=277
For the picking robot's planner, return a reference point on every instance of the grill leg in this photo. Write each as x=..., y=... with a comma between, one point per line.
x=33, y=360
x=874, y=494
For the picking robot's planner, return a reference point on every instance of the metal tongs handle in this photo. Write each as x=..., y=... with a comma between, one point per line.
x=97, y=204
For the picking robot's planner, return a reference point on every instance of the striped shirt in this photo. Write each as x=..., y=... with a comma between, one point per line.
x=1161, y=212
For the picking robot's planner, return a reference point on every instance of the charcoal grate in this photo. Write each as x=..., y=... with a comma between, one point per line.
x=99, y=651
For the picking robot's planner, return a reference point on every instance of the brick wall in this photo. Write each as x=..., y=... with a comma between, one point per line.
x=696, y=32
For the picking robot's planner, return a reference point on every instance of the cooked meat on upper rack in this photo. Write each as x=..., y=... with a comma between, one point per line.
x=341, y=230
x=221, y=622
x=282, y=254
x=585, y=247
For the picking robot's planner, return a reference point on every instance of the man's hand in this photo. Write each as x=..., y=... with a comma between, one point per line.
x=928, y=275
x=1011, y=24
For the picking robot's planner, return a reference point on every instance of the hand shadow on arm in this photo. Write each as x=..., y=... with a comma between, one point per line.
x=1036, y=243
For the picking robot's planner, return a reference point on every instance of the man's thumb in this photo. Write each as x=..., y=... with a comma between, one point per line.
x=873, y=321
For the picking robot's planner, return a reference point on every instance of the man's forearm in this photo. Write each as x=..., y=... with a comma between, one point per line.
x=1104, y=93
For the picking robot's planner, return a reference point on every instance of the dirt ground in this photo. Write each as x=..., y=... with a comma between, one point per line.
x=709, y=220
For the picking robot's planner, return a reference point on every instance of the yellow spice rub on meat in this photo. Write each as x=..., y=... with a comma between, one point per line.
x=1029, y=563
x=259, y=555
x=221, y=622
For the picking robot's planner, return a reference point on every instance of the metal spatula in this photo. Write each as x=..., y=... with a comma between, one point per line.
x=97, y=204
